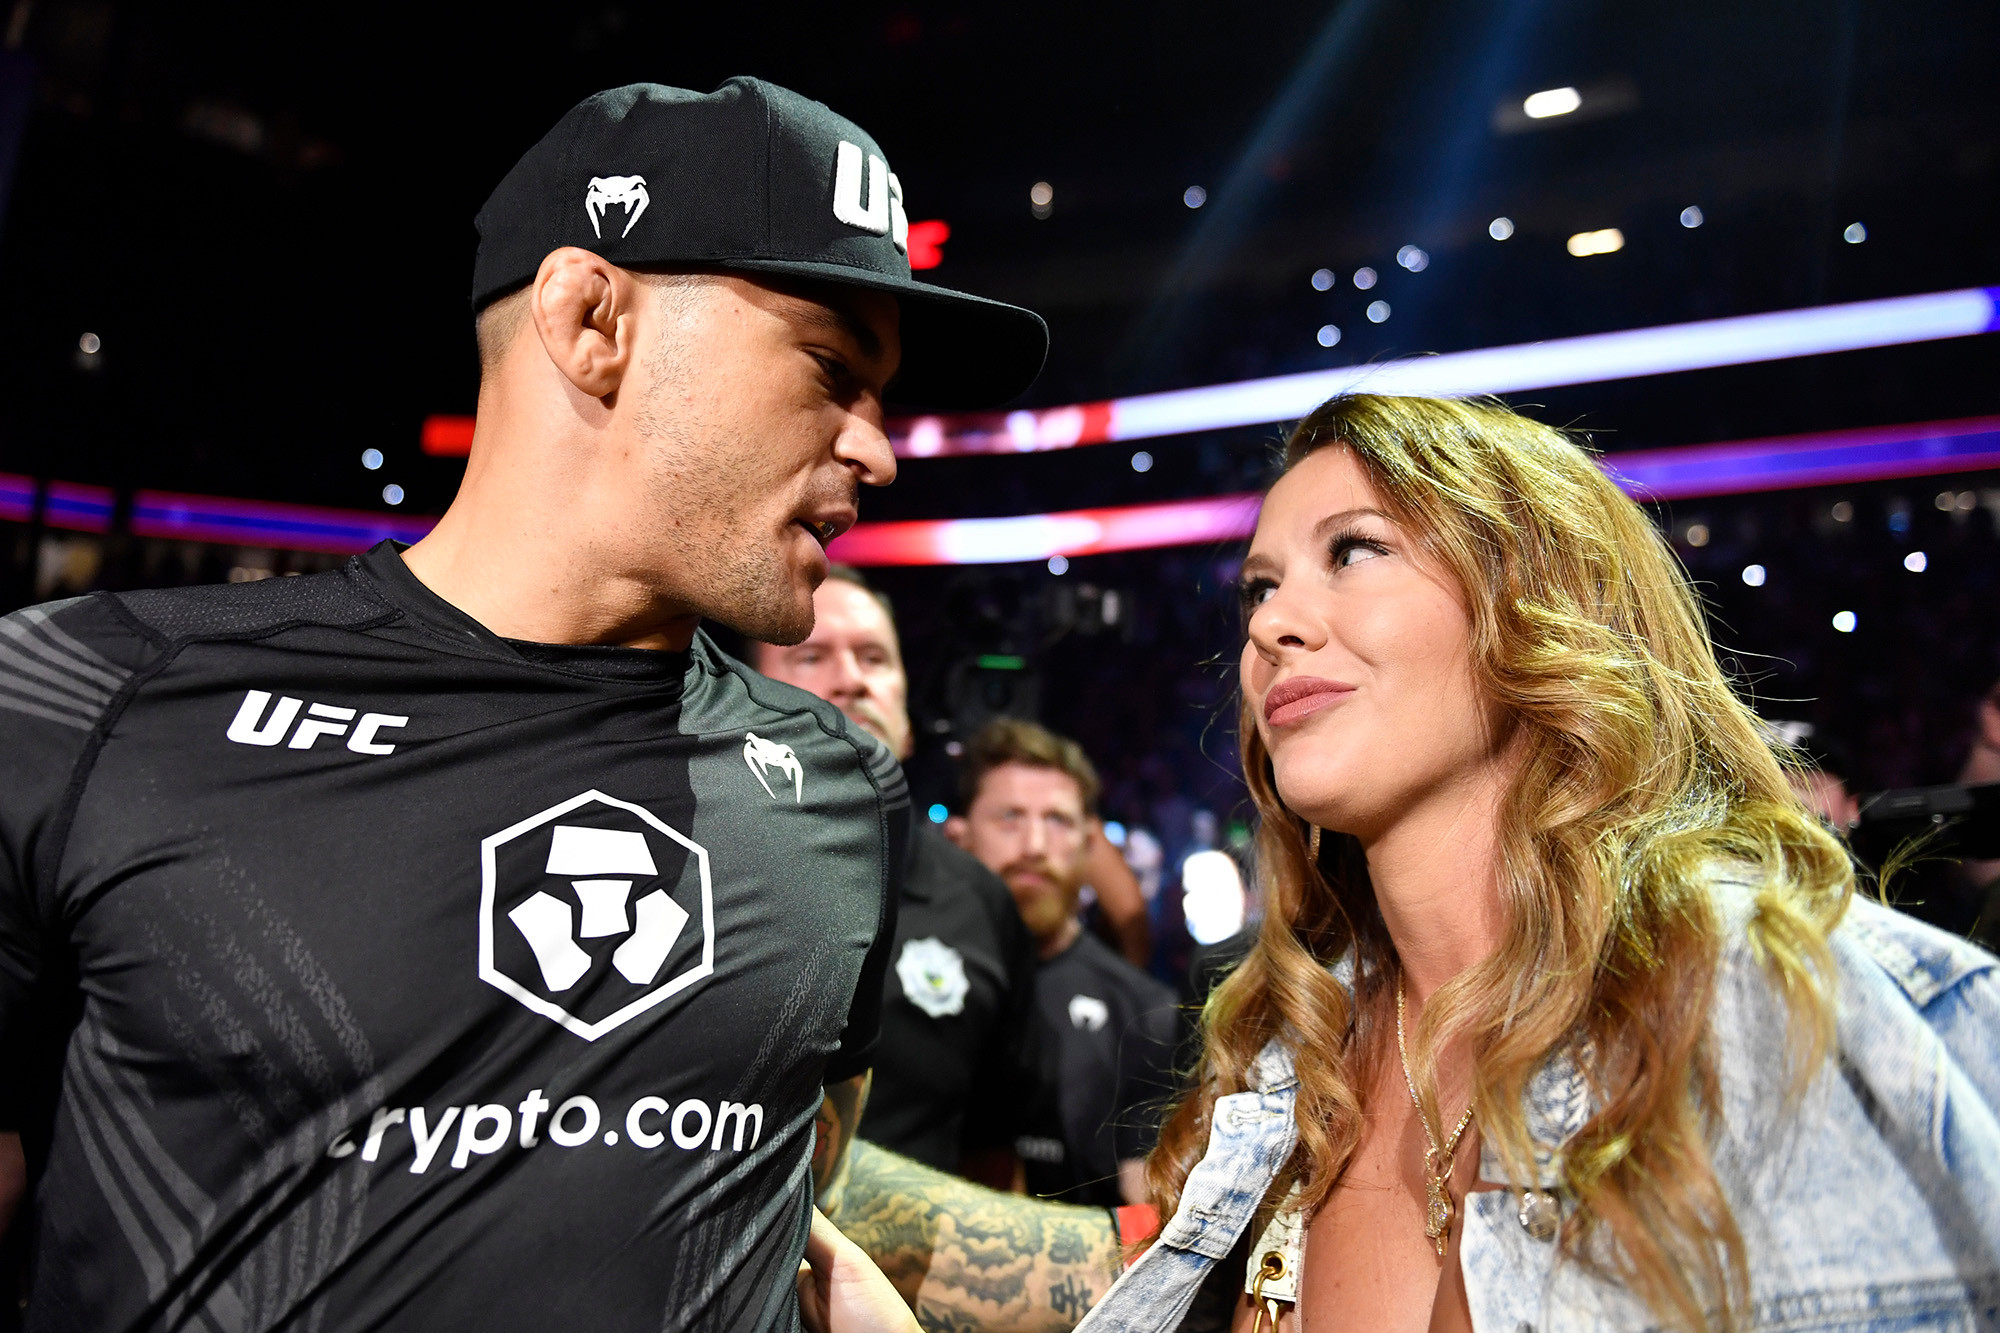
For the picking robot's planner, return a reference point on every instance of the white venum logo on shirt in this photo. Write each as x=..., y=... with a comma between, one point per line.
x=767, y=757
x=1087, y=1013
x=594, y=911
x=933, y=976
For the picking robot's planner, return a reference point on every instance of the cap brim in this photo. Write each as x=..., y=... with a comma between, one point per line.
x=960, y=352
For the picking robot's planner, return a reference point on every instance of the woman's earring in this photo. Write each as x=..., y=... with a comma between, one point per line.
x=1312, y=844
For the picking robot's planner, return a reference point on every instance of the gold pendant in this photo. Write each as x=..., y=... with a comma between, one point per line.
x=1437, y=1219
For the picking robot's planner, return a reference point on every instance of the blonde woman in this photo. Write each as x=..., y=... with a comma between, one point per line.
x=1565, y=1014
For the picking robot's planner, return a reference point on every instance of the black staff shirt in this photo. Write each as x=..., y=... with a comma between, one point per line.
x=959, y=1066
x=1113, y=1029
x=412, y=978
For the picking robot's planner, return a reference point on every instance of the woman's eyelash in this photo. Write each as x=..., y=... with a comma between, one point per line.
x=1250, y=592
x=1343, y=542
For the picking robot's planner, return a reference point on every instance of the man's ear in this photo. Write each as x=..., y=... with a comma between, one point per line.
x=959, y=831
x=586, y=310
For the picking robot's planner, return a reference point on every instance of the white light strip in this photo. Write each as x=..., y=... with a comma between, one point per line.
x=1590, y=359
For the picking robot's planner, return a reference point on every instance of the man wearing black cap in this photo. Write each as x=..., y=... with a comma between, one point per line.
x=458, y=939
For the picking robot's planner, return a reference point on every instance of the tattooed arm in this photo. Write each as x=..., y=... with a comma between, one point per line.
x=968, y=1260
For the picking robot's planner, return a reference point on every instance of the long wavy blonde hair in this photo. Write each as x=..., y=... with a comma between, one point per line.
x=1640, y=768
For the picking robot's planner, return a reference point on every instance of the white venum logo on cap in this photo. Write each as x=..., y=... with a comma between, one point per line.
x=629, y=192
x=883, y=211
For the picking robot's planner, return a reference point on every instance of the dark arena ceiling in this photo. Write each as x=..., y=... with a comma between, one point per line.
x=264, y=212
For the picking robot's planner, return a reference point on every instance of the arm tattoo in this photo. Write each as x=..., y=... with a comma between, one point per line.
x=833, y=1133
x=967, y=1258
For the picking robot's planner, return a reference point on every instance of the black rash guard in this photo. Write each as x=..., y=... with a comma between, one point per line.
x=399, y=976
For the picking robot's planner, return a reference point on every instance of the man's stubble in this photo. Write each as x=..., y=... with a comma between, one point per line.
x=708, y=488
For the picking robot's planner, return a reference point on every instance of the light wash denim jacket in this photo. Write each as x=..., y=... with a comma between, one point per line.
x=1875, y=1206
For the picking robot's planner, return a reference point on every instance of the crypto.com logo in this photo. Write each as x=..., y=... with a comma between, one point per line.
x=552, y=905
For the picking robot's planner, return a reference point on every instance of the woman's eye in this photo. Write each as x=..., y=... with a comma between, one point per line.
x=1255, y=593
x=1353, y=550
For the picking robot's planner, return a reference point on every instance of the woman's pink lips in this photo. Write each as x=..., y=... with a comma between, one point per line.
x=1299, y=698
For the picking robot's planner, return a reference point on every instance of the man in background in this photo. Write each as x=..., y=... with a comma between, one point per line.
x=958, y=1073
x=1030, y=800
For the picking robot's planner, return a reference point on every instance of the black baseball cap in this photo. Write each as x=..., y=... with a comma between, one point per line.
x=750, y=178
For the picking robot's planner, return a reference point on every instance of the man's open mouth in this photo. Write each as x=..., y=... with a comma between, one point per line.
x=824, y=530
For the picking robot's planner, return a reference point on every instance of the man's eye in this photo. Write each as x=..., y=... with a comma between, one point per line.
x=838, y=376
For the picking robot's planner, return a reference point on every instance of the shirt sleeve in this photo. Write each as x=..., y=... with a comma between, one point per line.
x=60, y=674
x=864, y=1017
x=1012, y=1090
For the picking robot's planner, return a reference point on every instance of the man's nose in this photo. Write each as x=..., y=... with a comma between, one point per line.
x=864, y=446
x=847, y=677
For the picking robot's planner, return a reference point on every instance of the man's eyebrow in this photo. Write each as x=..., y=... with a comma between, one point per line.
x=838, y=319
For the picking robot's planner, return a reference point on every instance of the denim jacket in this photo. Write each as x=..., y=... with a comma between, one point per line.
x=1872, y=1205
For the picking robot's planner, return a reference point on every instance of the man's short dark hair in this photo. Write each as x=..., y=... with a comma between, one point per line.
x=1013, y=740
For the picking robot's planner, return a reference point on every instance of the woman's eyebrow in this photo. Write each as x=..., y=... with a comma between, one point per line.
x=1340, y=520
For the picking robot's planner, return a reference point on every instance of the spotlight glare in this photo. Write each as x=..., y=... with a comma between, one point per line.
x=1551, y=102
x=1916, y=562
x=1602, y=242
x=1329, y=334
x=1843, y=511
x=1844, y=621
x=1691, y=217
x=1753, y=575
x=371, y=459
x=90, y=344
x=1500, y=228
x=392, y=494
x=1041, y=199
x=938, y=814
x=1364, y=278
x=1413, y=259
x=1142, y=461
x=1058, y=564
x=1697, y=534
x=1194, y=196
x=1323, y=279
x=1377, y=311
x=1854, y=233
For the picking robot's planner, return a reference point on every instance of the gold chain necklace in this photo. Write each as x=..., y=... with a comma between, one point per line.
x=1437, y=1161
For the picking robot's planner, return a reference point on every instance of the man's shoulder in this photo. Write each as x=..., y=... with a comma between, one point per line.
x=751, y=700
x=64, y=663
x=339, y=598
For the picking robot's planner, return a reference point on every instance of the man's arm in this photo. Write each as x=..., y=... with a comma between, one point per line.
x=967, y=1259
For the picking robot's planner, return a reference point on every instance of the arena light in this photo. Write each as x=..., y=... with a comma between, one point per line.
x=1691, y=471
x=1608, y=240
x=1664, y=349
x=1042, y=537
x=1551, y=102
x=1212, y=898
x=927, y=240
x=446, y=436
x=209, y=518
